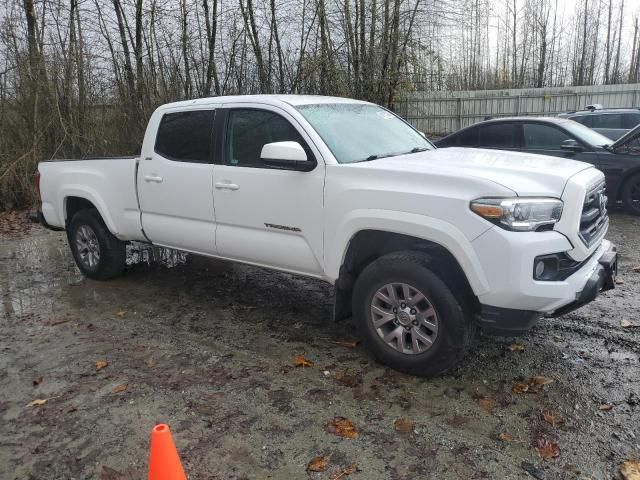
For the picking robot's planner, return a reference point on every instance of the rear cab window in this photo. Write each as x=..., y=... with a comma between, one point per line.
x=186, y=136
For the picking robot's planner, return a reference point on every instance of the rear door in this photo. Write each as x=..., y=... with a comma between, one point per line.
x=267, y=215
x=608, y=124
x=174, y=182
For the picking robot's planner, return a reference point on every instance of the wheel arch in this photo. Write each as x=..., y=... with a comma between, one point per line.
x=75, y=200
x=367, y=245
x=625, y=178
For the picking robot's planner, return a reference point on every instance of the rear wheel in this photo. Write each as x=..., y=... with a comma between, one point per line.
x=98, y=254
x=631, y=194
x=408, y=317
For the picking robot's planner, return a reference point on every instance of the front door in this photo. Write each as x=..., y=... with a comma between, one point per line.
x=175, y=183
x=264, y=214
x=546, y=139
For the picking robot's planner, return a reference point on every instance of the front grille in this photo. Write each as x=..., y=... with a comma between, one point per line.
x=594, y=218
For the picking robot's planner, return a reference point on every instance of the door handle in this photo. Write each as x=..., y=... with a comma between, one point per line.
x=153, y=178
x=226, y=186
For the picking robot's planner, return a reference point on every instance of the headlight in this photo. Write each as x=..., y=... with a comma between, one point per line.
x=519, y=214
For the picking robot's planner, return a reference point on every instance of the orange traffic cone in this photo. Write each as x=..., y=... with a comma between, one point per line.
x=164, y=462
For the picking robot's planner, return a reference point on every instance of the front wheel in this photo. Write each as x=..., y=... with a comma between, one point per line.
x=98, y=254
x=631, y=194
x=408, y=318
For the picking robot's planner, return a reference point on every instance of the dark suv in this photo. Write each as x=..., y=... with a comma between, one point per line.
x=611, y=122
x=619, y=160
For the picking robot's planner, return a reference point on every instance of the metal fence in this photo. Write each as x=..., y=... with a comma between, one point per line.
x=440, y=113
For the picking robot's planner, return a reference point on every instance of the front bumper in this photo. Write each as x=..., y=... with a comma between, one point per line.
x=510, y=322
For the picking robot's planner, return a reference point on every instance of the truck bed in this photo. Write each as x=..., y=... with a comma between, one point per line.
x=109, y=183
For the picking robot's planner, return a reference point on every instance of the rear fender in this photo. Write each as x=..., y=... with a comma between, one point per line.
x=90, y=195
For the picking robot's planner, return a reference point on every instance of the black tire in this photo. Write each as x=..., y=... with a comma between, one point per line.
x=112, y=252
x=630, y=195
x=456, y=330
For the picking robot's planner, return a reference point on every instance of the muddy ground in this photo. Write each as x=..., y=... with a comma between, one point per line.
x=207, y=347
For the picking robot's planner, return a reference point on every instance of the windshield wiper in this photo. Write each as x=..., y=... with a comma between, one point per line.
x=376, y=157
x=387, y=155
x=418, y=149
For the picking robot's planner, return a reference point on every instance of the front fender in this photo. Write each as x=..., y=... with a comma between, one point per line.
x=411, y=224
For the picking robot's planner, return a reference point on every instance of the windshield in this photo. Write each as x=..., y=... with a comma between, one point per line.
x=357, y=132
x=586, y=134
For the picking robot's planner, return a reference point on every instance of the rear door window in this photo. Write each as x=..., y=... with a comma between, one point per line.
x=499, y=135
x=186, y=136
x=538, y=135
x=586, y=120
x=468, y=138
x=607, y=120
x=630, y=120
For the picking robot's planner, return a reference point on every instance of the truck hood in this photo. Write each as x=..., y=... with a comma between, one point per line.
x=524, y=173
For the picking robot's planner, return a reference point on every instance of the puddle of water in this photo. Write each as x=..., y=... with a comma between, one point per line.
x=142, y=253
x=37, y=271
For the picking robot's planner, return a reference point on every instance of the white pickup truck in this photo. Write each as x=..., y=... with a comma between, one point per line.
x=423, y=245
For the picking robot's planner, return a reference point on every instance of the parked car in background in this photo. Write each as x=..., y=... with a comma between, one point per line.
x=610, y=122
x=559, y=137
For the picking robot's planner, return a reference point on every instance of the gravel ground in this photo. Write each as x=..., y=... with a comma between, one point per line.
x=207, y=347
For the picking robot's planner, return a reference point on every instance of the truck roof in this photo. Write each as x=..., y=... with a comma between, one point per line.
x=293, y=100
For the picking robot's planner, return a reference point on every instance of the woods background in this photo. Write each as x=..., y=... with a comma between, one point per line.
x=81, y=77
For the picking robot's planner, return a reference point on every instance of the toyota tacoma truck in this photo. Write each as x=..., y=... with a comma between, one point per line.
x=424, y=246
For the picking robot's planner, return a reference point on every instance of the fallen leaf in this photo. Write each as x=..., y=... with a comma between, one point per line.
x=38, y=381
x=300, y=361
x=457, y=421
x=547, y=449
x=348, y=380
x=520, y=388
x=505, y=437
x=120, y=388
x=540, y=380
x=487, y=404
x=553, y=418
x=605, y=407
x=318, y=464
x=630, y=470
x=151, y=363
x=342, y=427
x=121, y=313
x=403, y=425
x=345, y=472
x=516, y=347
x=100, y=364
x=37, y=402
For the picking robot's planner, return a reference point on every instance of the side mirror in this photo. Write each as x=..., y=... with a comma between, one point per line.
x=288, y=155
x=571, y=146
